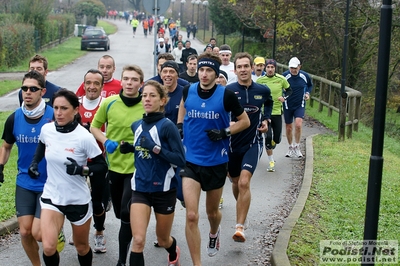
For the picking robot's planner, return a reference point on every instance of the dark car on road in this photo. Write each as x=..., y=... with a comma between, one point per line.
x=95, y=38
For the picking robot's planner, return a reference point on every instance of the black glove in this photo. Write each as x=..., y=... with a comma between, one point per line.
x=125, y=147
x=33, y=170
x=216, y=134
x=87, y=126
x=1, y=174
x=73, y=168
x=147, y=143
x=180, y=129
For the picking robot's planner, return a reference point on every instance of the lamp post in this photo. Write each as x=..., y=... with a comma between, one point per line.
x=198, y=2
x=180, y=14
x=205, y=4
x=274, y=40
x=193, y=2
x=172, y=13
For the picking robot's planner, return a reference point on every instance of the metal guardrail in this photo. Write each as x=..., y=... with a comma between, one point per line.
x=328, y=94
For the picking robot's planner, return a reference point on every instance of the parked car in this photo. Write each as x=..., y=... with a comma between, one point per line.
x=95, y=38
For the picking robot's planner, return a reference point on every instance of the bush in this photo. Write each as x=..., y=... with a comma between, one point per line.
x=17, y=40
x=16, y=43
x=57, y=27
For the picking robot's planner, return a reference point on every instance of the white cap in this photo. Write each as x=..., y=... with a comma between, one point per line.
x=294, y=62
x=161, y=40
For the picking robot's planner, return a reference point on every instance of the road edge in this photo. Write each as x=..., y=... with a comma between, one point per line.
x=8, y=225
x=279, y=255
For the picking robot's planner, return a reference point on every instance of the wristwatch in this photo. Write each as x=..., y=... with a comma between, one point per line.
x=85, y=171
x=157, y=149
x=228, y=132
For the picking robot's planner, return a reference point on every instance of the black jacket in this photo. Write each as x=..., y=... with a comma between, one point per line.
x=185, y=54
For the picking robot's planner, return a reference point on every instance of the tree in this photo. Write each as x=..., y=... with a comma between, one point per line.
x=91, y=8
x=314, y=31
x=136, y=4
x=33, y=12
x=120, y=5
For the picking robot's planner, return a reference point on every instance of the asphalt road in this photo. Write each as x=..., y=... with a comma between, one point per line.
x=270, y=191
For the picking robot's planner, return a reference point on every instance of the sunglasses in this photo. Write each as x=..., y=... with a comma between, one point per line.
x=32, y=89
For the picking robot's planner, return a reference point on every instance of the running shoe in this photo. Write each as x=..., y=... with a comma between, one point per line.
x=221, y=202
x=99, y=244
x=176, y=261
x=213, y=244
x=61, y=241
x=297, y=152
x=271, y=167
x=239, y=234
x=290, y=152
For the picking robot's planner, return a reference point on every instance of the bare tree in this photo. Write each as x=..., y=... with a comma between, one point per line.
x=136, y=3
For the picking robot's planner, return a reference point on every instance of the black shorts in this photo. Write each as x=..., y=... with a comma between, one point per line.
x=76, y=214
x=27, y=202
x=209, y=177
x=163, y=202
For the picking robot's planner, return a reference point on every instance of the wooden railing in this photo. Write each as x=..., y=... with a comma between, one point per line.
x=328, y=94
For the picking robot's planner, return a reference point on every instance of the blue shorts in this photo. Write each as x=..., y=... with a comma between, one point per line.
x=288, y=114
x=27, y=202
x=247, y=160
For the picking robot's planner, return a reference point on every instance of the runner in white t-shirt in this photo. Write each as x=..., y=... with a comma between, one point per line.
x=67, y=147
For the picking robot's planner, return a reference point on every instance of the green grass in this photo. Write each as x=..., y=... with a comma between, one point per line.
x=57, y=57
x=7, y=202
x=335, y=209
x=108, y=27
x=8, y=85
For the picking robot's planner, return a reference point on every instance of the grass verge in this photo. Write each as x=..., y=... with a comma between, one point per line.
x=7, y=195
x=335, y=209
x=8, y=85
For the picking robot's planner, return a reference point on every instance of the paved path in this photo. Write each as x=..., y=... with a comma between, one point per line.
x=270, y=191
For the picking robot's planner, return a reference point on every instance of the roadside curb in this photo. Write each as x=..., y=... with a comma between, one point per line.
x=9, y=225
x=279, y=254
x=11, y=75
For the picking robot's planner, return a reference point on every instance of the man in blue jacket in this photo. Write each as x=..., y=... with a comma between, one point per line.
x=39, y=63
x=295, y=105
x=246, y=146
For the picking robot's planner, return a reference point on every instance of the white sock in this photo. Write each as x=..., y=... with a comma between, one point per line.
x=271, y=158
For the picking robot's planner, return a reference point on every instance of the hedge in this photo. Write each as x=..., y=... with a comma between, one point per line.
x=17, y=40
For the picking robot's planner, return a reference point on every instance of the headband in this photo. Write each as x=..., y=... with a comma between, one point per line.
x=208, y=62
x=225, y=51
x=171, y=64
